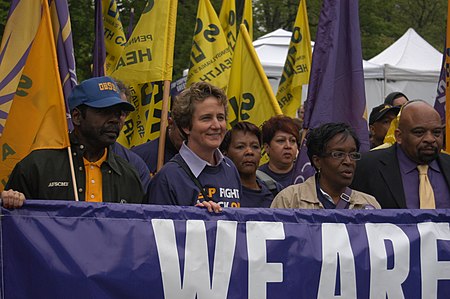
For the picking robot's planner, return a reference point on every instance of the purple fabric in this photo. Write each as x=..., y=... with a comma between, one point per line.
x=63, y=249
x=173, y=186
x=439, y=104
x=284, y=179
x=99, y=45
x=135, y=161
x=130, y=24
x=65, y=53
x=410, y=180
x=336, y=85
x=13, y=6
x=149, y=153
x=256, y=198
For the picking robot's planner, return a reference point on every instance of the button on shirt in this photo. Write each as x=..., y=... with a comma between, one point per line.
x=410, y=180
x=94, y=179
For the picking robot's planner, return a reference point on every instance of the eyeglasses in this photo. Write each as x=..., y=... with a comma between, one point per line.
x=338, y=155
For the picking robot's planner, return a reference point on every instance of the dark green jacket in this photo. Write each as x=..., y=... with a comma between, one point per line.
x=45, y=174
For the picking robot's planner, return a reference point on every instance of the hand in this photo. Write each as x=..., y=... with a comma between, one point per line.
x=12, y=199
x=210, y=205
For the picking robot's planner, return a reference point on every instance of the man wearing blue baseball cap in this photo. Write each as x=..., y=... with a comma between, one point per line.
x=97, y=114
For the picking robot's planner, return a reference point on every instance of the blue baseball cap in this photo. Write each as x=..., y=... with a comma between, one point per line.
x=98, y=92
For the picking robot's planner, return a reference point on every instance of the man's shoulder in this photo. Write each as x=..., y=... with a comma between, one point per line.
x=121, y=161
x=146, y=147
x=129, y=156
x=444, y=155
x=382, y=152
x=171, y=168
x=375, y=156
x=148, y=152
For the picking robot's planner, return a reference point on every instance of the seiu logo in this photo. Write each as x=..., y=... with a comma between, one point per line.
x=58, y=184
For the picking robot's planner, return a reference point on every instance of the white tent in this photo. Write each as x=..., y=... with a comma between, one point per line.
x=410, y=65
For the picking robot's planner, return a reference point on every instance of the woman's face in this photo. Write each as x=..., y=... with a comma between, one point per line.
x=245, y=152
x=282, y=149
x=337, y=172
x=208, y=126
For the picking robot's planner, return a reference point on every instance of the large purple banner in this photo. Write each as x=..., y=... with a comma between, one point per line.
x=57, y=249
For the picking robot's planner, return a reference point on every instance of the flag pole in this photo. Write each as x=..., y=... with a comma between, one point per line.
x=162, y=136
x=72, y=172
x=69, y=151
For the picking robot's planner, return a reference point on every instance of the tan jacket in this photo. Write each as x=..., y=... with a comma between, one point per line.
x=304, y=196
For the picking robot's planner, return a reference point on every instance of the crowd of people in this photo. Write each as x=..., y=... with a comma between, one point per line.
x=212, y=168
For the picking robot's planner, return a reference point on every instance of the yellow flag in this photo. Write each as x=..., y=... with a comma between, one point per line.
x=297, y=66
x=143, y=124
x=148, y=54
x=37, y=118
x=210, y=54
x=227, y=19
x=20, y=30
x=249, y=92
x=145, y=62
x=114, y=36
x=247, y=17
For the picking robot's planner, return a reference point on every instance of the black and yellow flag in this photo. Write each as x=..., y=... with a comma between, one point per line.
x=249, y=92
x=297, y=66
x=210, y=55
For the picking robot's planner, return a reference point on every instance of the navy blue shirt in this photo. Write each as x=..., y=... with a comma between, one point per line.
x=135, y=161
x=149, y=153
x=284, y=179
x=173, y=186
x=256, y=198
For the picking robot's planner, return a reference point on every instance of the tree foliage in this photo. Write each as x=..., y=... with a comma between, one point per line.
x=382, y=22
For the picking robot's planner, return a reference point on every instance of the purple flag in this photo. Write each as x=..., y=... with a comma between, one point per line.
x=99, y=45
x=64, y=49
x=336, y=85
x=130, y=24
x=439, y=104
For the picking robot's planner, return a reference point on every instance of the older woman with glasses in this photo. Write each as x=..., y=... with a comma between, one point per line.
x=333, y=151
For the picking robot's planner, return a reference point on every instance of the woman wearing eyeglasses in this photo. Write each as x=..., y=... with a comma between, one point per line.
x=333, y=151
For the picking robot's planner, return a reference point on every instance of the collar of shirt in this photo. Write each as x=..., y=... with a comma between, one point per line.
x=79, y=150
x=327, y=196
x=195, y=163
x=99, y=162
x=407, y=165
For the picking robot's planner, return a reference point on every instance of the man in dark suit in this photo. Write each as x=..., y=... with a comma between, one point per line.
x=392, y=176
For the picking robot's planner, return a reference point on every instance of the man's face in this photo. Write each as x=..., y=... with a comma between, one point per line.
x=380, y=128
x=101, y=127
x=420, y=133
